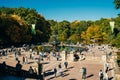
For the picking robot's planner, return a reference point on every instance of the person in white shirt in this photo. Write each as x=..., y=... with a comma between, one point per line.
x=106, y=76
x=101, y=75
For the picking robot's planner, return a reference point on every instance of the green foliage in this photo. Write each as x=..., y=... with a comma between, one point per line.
x=116, y=41
x=13, y=30
x=75, y=38
x=117, y=4
x=78, y=26
x=15, y=24
x=104, y=24
x=94, y=34
x=79, y=31
x=39, y=48
x=60, y=29
x=63, y=30
x=15, y=27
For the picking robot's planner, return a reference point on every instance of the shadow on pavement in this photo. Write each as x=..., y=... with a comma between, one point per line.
x=110, y=69
x=48, y=70
x=51, y=78
x=10, y=71
x=65, y=75
x=70, y=67
x=49, y=73
x=30, y=62
x=110, y=78
x=66, y=70
x=45, y=62
x=90, y=75
x=73, y=79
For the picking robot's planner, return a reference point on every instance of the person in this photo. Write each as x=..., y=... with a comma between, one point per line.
x=61, y=73
x=66, y=64
x=57, y=57
x=31, y=71
x=106, y=67
x=55, y=71
x=82, y=57
x=59, y=66
x=35, y=71
x=23, y=58
x=18, y=68
x=84, y=72
x=16, y=57
x=26, y=59
x=101, y=75
x=106, y=76
x=4, y=67
x=76, y=57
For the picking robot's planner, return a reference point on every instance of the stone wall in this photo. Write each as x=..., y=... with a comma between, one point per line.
x=117, y=76
x=68, y=57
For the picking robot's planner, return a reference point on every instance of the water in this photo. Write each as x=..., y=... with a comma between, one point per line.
x=9, y=77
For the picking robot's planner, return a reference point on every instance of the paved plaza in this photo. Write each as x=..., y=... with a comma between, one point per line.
x=93, y=64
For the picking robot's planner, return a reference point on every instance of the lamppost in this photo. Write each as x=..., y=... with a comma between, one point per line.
x=112, y=24
x=40, y=66
x=55, y=41
x=40, y=69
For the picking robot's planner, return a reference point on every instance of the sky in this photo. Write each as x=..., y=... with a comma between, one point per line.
x=69, y=10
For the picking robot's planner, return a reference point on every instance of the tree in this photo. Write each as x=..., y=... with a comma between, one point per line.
x=117, y=4
x=75, y=38
x=23, y=18
x=53, y=29
x=116, y=41
x=104, y=25
x=13, y=30
x=63, y=30
x=94, y=34
x=77, y=27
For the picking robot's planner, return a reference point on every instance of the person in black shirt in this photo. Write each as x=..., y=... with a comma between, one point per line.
x=18, y=68
x=4, y=67
x=55, y=71
x=59, y=66
x=66, y=64
x=101, y=75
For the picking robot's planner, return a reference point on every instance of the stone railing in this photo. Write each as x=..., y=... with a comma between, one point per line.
x=117, y=72
x=113, y=60
x=70, y=56
x=117, y=68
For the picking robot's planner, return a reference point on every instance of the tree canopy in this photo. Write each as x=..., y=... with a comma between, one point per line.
x=16, y=28
x=16, y=25
x=117, y=4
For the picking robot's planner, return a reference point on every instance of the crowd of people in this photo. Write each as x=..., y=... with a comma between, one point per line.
x=42, y=55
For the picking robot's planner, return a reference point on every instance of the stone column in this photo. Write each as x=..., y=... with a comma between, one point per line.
x=63, y=56
x=104, y=58
x=71, y=57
